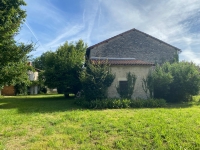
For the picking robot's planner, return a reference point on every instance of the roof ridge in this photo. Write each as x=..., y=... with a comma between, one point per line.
x=128, y=32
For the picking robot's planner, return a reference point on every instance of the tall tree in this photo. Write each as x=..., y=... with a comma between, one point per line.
x=39, y=62
x=13, y=55
x=62, y=68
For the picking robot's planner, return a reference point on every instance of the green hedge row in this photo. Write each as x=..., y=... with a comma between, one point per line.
x=121, y=103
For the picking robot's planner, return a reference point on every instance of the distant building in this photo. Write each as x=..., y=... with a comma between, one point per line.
x=132, y=51
x=33, y=76
x=33, y=89
x=8, y=91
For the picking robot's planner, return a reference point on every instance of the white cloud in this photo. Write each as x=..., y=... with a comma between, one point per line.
x=67, y=32
x=189, y=55
x=164, y=20
x=170, y=21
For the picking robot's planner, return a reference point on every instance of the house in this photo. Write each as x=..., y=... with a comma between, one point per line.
x=132, y=51
x=8, y=91
x=33, y=76
x=33, y=89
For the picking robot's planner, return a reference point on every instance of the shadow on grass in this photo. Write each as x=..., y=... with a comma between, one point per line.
x=178, y=105
x=37, y=104
x=183, y=104
x=57, y=103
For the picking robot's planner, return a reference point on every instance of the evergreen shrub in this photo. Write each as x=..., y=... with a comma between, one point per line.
x=121, y=103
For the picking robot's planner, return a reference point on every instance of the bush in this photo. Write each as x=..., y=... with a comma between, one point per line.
x=162, y=80
x=127, y=93
x=147, y=85
x=121, y=103
x=21, y=89
x=95, y=81
x=43, y=90
x=175, y=82
x=186, y=82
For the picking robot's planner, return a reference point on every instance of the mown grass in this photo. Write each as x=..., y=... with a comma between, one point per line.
x=52, y=122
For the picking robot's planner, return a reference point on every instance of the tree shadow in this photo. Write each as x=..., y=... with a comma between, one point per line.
x=177, y=105
x=39, y=104
x=181, y=105
x=59, y=104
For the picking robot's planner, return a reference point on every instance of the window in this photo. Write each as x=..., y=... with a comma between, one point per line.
x=123, y=85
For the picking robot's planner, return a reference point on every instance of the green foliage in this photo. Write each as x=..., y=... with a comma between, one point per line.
x=149, y=103
x=21, y=89
x=147, y=85
x=43, y=90
x=14, y=70
x=49, y=66
x=127, y=93
x=13, y=55
x=176, y=82
x=176, y=58
x=186, y=81
x=121, y=103
x=162, y=79
x=62, y=68
x=40, y=82
x=12, y=16
x=96, y=79
x=39, y=62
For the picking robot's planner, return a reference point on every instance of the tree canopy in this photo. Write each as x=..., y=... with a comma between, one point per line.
x=12, y=16
x=62, y=68
x=13, y=55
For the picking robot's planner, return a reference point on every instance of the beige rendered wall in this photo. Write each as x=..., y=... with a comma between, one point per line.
x=33, y=76
x=120, y=71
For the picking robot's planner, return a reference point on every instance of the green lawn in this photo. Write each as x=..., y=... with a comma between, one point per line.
x=52, y=122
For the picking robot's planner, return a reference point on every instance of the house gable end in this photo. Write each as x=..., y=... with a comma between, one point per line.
x=134, y=44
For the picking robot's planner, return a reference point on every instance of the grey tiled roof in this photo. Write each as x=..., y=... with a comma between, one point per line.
x=134, y=44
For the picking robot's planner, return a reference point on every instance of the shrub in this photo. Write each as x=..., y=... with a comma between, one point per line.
x=21, y=89
x=43, y=90
x=121, y=103
x=147, y=85
x=137, y=103
x=174, y=82
x=162, y=80
x=127, y=93
x=95, y=81
x=186, y=81
x=149, y=103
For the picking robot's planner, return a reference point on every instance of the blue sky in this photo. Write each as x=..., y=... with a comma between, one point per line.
x=50, y=23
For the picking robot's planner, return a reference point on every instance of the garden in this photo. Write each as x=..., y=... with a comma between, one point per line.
x=54, y=122
x=168, y=118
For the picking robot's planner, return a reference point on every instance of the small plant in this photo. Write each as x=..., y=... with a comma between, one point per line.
x=127, y=92
x=147, y=85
